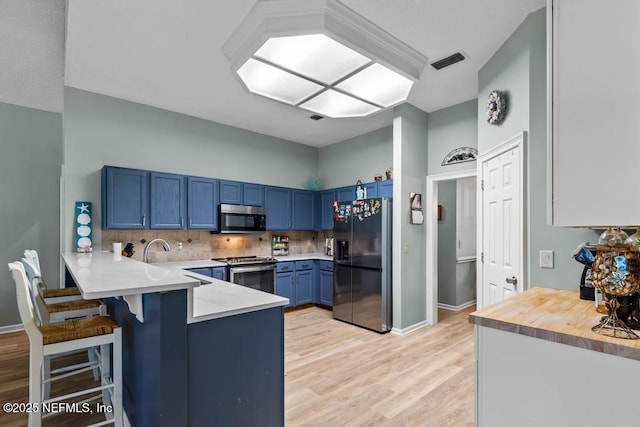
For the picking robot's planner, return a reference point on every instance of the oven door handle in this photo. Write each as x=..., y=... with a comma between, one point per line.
x=250, y=268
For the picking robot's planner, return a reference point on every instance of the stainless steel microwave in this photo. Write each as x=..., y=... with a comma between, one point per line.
x=242, y=219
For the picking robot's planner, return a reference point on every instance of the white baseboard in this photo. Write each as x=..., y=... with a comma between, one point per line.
x=11, y=328
x=410, y=329
x=457, y=307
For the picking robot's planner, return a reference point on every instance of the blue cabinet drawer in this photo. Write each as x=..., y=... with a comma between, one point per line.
x=304, y=265
x=204, y=271
x=325, y=265
x=285, y=266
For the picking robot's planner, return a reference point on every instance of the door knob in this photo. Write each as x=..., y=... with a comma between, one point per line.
x=512, y=280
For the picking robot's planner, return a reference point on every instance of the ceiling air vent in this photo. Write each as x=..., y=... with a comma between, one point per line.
x=316, y=117
x=449, y=60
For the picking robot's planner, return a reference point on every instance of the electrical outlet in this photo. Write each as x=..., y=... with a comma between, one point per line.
x=546, y=259
x=406, y=248
x=179, y=245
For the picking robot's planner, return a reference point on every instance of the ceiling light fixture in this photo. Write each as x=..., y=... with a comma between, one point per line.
x=323, y=57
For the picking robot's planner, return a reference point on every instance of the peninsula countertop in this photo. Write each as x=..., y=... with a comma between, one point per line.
x=105, y=275
x=554, y=315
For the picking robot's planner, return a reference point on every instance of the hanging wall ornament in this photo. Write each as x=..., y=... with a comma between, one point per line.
x=83, y=227
x=496, y=107
x=460, y=155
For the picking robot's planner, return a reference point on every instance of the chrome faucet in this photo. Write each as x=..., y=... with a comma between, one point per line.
x=165, y=245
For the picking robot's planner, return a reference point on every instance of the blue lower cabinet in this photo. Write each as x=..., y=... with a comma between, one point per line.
x=325, y=282
x=284, y=286
x=304, y=287
x=219, y=273
x=203, y=271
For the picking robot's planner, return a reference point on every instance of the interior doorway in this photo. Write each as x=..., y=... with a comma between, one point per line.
x=431, y=213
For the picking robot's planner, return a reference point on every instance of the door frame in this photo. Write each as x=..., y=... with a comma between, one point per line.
x=518, y=140
x=431, y=231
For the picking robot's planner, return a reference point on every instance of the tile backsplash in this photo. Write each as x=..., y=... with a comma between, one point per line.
x=198, y=245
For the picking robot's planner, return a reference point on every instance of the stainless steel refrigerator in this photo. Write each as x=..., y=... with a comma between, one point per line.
x=362, y=263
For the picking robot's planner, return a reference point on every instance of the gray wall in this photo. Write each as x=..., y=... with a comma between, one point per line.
x=359, y=158
x=31, y=142
x=451, y=128
x=31, y=88
x=447, y=243
x=519, y=67
x=409, y=164
x=100, y=130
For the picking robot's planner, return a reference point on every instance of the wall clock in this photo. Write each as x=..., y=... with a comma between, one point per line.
x=496, y=107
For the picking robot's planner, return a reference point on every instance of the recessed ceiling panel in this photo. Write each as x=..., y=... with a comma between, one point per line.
x=379, y=85
x=274, y=83
x=337, y=105
x=314, y=55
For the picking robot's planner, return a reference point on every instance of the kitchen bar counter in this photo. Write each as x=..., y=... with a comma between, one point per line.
x=103, y=275
x=190, y=353
x=221, y=299
x=538, y=363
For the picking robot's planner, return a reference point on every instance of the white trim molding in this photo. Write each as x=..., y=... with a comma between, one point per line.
x=11, y=328
x=431, y=230
x=457, y=307
x=409, y=329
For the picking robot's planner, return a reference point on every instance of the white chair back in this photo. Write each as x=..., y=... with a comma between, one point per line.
x=34, y=289
x=32, y=256
x=26, y=307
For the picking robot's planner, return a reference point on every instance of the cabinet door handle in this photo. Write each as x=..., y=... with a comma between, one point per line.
x=181, y=223
x=189, y=221
x=144, y=220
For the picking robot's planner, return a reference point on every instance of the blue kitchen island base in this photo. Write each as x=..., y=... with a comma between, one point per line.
x=236, y=370
x=225, y=371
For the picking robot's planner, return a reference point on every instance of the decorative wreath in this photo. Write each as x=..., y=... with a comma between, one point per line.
x=496, y=107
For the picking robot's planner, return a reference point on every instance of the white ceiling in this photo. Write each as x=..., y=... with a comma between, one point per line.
x=167, y=54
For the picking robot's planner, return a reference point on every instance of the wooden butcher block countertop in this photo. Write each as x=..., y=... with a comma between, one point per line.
x=554, y=315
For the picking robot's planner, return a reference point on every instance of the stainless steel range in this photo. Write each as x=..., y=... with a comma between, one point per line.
x=252, y=271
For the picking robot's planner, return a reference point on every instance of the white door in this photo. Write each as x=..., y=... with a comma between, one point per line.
x=502, y=253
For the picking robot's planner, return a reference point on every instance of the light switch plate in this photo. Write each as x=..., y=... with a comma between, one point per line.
x=546, y=259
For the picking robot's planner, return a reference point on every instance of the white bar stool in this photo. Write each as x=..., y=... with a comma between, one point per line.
x=49, y=295
x=48, y=340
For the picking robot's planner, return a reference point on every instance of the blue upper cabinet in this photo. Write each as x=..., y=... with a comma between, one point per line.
x=253, y=194
x=202, y=206
x=371, y=189
x=241, y=193
x=231, y=192
x=346, y=193
x=277, y=201
x=327, y=197
x=302, y=213
x=168, y=201
x=385, y=188
x=125, y=198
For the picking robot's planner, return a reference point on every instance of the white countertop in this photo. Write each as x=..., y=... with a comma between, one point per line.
x=103, y=275
x=300, y=257
x=221, y=299
x=199, y=263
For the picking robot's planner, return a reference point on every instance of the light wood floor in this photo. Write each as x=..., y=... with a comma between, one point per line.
x=342, y=375
x=337, y=374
